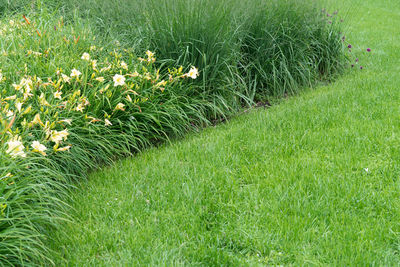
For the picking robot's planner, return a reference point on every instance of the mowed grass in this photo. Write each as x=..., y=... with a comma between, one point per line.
x=312, y=181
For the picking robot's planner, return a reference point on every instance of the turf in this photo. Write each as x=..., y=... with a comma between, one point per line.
x=311, y=181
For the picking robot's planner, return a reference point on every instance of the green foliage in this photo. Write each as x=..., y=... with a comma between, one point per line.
x=274, y=47
x=241, y=49
x=289, y=45
x=313, y=181
x=79, y=121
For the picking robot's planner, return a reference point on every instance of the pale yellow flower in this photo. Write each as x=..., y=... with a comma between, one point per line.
x=27, y=83
x=162, y=83
x=57, y=136
x=193, y=73
x=93, y=47
x=80, y=108
x=43, y=100
x=120, y=106
x=37, y=120
x=119, y=80
x=85, y=56
x=128, y=98
x=58, y=94
x=38, y=147
x=100, y=79
x=18, y=105
x=75, y=73
x=149, y=54
x=107, y=122
x=16, y=148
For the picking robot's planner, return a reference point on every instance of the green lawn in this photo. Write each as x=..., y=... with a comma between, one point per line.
x=311, y=181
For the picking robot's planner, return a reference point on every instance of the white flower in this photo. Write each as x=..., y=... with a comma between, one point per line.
x=85, y=56
x=58, y=94
x=38, y=147
x=75, y=73
x=119, y=80
x=16, y=148
x=193, y=73
x=1, y=76
x=366, y=169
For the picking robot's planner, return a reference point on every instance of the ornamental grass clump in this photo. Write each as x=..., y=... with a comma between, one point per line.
x=288, y=45
x=242, y=48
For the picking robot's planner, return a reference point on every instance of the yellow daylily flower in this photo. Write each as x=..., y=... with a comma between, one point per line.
x=58, y=94
x=118, y=80
x=38, y=147
x=16, y=148
x=75, y=73
x=57, y=136
x=85, y=56
x=193, y=73
x=37, y=120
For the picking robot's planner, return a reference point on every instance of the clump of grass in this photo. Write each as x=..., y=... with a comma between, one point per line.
x=274, y=48
x=289, y=45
